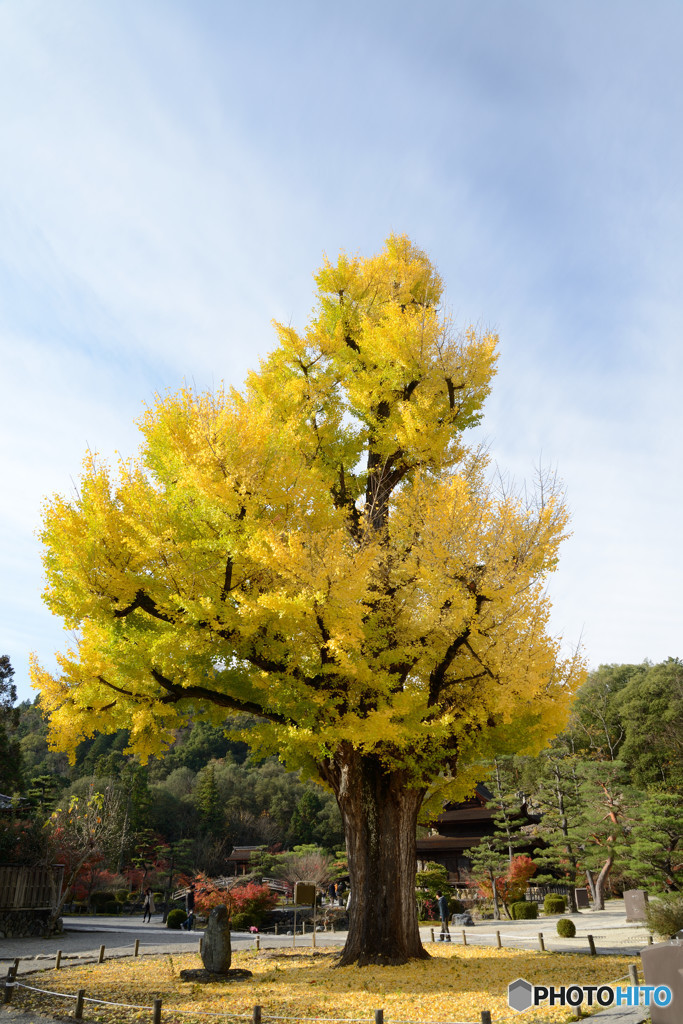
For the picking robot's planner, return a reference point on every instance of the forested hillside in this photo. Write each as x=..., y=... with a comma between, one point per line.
x=607, y=793
x=207, y=791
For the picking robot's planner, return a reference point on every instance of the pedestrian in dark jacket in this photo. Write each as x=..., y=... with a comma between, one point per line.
x=189, y=906
x=148, y=907
x=442, y=904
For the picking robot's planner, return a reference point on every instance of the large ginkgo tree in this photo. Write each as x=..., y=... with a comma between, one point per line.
x=323, y=551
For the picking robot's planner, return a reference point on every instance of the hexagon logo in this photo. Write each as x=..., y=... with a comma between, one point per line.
x=520, y=995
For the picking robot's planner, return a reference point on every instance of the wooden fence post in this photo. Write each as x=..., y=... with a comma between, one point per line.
x=485, y=1017
x=256, y=1015
x=591, y=944
x=156, y=1015
x=464, y=937
x=541, y=943
x=633, y=973
x=58, y=960
x=136, y=949
x=9, y=985
x=78, y=1012
x=498, y=942
x=379, y=1016
x=101, y=957
x=432, y=933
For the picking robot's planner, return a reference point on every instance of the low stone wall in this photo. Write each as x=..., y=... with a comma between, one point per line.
x=22, y=924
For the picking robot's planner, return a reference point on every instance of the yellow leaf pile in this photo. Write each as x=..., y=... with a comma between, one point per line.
x=454, y=986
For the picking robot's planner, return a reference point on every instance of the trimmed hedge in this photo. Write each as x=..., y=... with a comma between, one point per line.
x=176, y=918
x=99, y=898
x=566, y=928
x=523, y=911
x=554, y=904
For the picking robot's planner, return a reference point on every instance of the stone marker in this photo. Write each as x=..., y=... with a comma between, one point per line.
x=635, y=904
x=663, y=965
x=462, y=919
x=216, y=951
x=582, y=901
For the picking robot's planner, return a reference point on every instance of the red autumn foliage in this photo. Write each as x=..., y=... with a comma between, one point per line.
x=513, y=884
x=250, y=898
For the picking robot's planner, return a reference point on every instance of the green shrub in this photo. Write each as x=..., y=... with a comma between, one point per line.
x=133, y=896
x=456, y=906
x=523, y=911
x=241, y=920
x=566, y=928
x=158, y=897
x=176, y=918
x=554, y=904
x=665, y=914
x=121, y=895
x=112, y=907
x=99, y=898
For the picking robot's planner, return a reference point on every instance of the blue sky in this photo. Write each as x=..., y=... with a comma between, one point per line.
x=171, y=174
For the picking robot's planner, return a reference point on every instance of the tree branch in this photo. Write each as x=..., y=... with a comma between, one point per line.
x=176, y=692
x=147, y=604
x=438, y=675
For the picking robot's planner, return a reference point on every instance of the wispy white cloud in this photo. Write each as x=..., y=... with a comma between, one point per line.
x=170, y=175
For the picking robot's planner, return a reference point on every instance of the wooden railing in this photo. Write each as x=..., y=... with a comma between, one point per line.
x=34, y=888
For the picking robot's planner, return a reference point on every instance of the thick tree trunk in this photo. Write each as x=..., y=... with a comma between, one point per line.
x=379, y=813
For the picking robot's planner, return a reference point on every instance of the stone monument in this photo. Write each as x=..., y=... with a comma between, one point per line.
x=582, y=900
x=635, y=905
x=216, y=952
x=663, y=965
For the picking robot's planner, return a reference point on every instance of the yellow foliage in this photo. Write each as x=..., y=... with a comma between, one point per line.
x=322, y=549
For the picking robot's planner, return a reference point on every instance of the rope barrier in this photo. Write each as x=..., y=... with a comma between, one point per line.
x=357, y=1020
x=107, y=1002
x=45, y=991
x=210, y=1013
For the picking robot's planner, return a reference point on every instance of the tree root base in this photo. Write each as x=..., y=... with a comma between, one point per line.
x=378, y=959
x=203, y=977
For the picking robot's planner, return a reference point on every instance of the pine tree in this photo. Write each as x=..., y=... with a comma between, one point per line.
x=656, y=851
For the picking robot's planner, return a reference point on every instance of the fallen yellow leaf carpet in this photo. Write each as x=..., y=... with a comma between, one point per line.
x=454, y=986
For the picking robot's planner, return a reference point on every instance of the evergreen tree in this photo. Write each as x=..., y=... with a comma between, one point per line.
x=656, y=850
x=554, y=783
x=11, y=776
x=208, y=801
x=651, y=710
x=305, y=820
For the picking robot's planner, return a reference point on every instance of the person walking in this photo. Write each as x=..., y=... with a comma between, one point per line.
x=189, y=906
x=148, y=907
x=442, y=904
